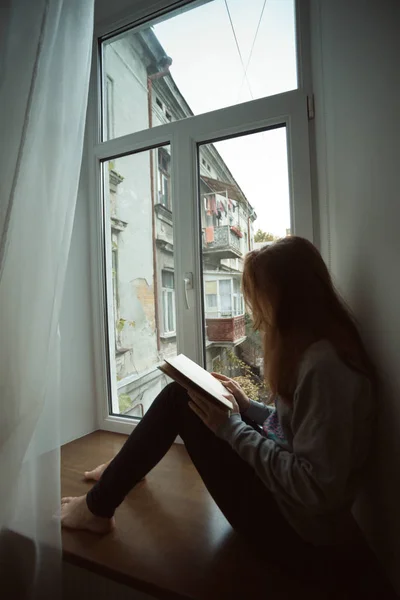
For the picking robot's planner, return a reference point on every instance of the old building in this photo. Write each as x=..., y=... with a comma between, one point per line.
x=141, y=93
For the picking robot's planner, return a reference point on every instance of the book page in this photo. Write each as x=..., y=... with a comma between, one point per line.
x=200, y=376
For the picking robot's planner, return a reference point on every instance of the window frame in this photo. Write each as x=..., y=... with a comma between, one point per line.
x=288, y=109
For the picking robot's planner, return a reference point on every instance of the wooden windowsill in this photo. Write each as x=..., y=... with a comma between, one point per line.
x=171, y=540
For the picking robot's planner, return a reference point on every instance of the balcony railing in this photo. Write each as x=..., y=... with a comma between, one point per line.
x=228, y=329
x=221, y=242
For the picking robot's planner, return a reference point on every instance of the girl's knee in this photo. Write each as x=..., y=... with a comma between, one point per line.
x=177, y=392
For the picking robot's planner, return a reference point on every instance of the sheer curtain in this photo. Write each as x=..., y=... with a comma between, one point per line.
x=45, y=55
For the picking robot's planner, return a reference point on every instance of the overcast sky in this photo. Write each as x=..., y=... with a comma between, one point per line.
x=209, y=73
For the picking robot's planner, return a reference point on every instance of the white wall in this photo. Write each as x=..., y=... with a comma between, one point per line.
x=78, y=405
x=355, y=51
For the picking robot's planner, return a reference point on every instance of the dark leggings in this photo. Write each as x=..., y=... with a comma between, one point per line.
x=239, y=493
x=241, y=496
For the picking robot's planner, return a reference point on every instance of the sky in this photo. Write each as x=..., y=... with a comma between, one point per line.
x=209, y=72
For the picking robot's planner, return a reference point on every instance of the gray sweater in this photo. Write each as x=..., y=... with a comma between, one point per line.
x=311, y=456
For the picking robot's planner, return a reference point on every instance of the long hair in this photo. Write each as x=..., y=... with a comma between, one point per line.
x=293, y=302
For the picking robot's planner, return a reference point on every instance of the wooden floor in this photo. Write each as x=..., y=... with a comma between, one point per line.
x=171, y=540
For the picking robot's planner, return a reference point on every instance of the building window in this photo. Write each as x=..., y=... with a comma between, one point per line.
x=159, y=103
x=225, y=297
x=168, y=302
x=237, y=298
x=164, y=183
x=114, y=240
x=211, y=293
x=211, y=300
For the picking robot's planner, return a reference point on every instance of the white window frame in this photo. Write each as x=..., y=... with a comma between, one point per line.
x=288, y=109
x=218, y=312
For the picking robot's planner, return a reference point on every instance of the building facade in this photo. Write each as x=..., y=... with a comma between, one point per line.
x=140, y=93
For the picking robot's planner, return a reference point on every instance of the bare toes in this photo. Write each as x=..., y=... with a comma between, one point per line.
x=66, y=499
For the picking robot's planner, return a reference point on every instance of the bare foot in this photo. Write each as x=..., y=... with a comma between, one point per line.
x=96, y=473
x=76, y=515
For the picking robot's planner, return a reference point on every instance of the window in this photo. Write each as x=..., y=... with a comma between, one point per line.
x=168, y=302
x=211, y=301
x=256, y=175
x=164, y=190
x=150, y=60
x=211, y=292
x=225, y=297
x=164, y=178
x=237, y=296
x=114, y=242
x=140, y=264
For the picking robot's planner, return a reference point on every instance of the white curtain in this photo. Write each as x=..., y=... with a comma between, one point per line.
x=45, y=56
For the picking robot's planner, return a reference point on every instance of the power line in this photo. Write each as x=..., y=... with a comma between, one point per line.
x=252, y=47
x=238, y=49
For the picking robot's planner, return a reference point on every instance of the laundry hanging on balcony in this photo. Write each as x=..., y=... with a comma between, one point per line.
x=221, y=205
x=209, y=234
x=211, y=206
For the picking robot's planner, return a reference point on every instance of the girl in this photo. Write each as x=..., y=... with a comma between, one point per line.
x=284, y=477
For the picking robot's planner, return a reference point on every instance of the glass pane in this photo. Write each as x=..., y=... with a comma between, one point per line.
x=140, y=265
x=204, y=58
x=168, y=279
x=244, y=204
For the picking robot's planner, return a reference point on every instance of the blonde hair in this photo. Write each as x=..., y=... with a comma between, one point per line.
x=293, y=301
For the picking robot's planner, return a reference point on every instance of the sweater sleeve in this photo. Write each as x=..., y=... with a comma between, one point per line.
x=314, y=474
x=258, y=412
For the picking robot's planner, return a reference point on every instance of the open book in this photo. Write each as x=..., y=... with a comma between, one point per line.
x=192, y=377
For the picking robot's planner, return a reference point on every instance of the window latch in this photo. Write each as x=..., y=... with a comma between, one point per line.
x=187, y=285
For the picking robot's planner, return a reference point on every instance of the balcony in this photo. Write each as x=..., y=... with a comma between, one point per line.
x=226, y=330
x=221, y=242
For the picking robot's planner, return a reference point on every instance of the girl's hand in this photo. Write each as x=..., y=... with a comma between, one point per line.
x=211, y=415
x=234, y=388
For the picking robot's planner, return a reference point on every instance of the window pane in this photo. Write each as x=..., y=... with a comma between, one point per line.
x=210, y=287
x=211, y=301
x=140, y=267
x=247, y=193
x=198, y=60
x=168, y=279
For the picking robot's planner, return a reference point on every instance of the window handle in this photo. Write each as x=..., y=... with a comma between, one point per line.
x=187, y=285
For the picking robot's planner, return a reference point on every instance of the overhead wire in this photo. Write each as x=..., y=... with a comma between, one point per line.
x=238, y=49
x=252, y=47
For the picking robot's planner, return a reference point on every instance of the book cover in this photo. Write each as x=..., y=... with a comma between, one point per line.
x=193, y=377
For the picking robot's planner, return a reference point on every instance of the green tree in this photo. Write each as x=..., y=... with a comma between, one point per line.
x=265, y=236
x=241, y=372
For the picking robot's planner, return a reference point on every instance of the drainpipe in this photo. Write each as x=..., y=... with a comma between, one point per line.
x=250, y=216
x=248, y=233
x=150, y=78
